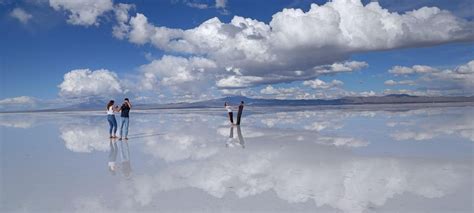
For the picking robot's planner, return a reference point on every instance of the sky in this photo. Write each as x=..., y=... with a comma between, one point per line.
x=60, y=51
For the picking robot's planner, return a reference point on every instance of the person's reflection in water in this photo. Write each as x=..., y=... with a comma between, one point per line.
x=113, y=156
x=125, y=158
x=241, y=138
x=231, y=142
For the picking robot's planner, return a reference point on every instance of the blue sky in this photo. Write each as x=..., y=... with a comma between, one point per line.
x=167, y=50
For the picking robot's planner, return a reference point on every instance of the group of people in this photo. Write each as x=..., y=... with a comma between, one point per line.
x=124, y=117
x=231, y=115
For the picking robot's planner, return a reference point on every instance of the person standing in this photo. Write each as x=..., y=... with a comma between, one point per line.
x=239, y=113
x=229, y=112
x=111, y=118
x=124, y=115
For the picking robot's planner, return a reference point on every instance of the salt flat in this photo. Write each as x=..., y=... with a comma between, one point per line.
x=279, y=160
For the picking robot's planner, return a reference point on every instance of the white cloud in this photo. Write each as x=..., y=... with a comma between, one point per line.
x=348, y=66
x=319, y=84
x=83, y=12
x=86, y=83
x=18, y=103
x=197, y=5
x=418, y=69
x=221, y=3
x=181, y=76
x=18, y=100
x=270, y=90
x=434, y=81
x=367, y=93
x=403, y=82
x=21, y=15
x=282, y=92
x=235, y=81
x=461, y=78
x=297, y=44
x=122, y=16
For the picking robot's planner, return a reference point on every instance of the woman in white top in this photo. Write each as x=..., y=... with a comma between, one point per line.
x=111, y=118
x=229, y=111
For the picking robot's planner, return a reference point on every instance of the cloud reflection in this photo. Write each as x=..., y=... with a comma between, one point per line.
x=300, y=156
x=303, y=172
x=458, y=123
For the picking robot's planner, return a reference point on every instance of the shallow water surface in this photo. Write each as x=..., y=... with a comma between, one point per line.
x=298, y=160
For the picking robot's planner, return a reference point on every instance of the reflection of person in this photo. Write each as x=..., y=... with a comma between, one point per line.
x=229, y=112
x=113, y=157
x=239, y=113
x=241, y=138
x=111, y=118
x=125, y=157
x=124, y=115
x=231, y=142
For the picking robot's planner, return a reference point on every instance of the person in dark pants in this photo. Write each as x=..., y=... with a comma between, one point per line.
x=239, y=113
x=124, y=115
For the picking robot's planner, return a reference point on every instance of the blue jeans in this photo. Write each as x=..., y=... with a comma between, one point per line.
x=112, y=124
x=124, y=127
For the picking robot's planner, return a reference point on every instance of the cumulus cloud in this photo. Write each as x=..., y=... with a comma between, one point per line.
x=270, y=90
x=434, y=81
x=347, y=66
x=295, y=44
x=86, y=83
x=121, y=29
x=238, y=80
x=21, y=15
x=235, y=81
x=403, y=82
x=18, y=103
x=83, y=12
x=179, y=75
x=315, y=89
x=18, y=100
x=319, y=84
x=416, y=69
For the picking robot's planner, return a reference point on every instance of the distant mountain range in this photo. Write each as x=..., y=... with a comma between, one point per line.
x=97, y=104
x=388, y=99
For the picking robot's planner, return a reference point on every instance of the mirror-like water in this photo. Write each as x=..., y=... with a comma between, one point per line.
x=331, y=160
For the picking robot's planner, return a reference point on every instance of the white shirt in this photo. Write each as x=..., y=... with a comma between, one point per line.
x=110, y=111
x=229, y=108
